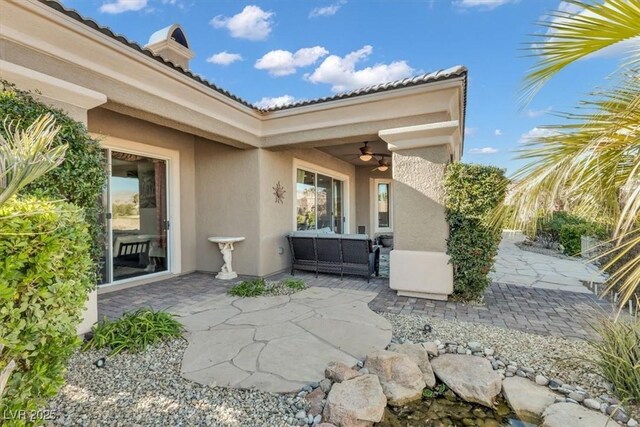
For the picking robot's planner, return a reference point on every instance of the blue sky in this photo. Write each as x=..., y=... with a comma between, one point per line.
x=276, y=51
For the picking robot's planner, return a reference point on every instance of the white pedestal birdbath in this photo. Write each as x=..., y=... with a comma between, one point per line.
x=226, y=248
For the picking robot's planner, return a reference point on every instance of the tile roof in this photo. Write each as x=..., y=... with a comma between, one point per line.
x=449, y=73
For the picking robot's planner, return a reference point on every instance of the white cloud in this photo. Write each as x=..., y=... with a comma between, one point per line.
x=341, y=73
x=532, y=114
x=252, y=23
x=277, y=101
x=327, y=10
x=483, y=4
x=534, y=134
x=119, y=6
x=282, y=62
x=469, y=131
x=497, y=132
x=483, y=150
x=224, y=58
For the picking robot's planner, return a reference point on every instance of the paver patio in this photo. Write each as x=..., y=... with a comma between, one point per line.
x=524, y=268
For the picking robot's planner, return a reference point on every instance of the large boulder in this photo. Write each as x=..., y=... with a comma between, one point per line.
x=338, y=372
x=527, y=399
x=358, y=402
x=572, y=415
x=420, y=356
x=400, y=377
x=470, y=377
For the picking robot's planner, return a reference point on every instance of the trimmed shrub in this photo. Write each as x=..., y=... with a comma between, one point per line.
x=260, y=287
x=472, y=193
x=80, y=179
x=567, y=230
x=134, y=331
x=46, y=272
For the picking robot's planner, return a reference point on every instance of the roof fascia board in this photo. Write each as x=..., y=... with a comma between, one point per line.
x=41, y=9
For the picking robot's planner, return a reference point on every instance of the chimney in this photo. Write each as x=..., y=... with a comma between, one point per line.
x=171, y=44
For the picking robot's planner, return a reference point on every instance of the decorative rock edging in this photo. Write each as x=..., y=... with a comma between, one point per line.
x=315, y=410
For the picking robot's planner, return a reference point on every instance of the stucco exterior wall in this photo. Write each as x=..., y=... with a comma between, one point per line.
x=277, y=220
x=106, y=122
x=364, y=202
x=227, y=204
x=419, y=222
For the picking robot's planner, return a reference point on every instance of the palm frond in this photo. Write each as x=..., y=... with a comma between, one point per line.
x=572, y=36
x=25, y=155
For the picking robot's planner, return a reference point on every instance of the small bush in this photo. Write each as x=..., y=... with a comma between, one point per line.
x=81, y=177
x=619, y=356
x=260, y=287
x=567, y=230
x=472, y=193
x=46, y=273
x=134, y=331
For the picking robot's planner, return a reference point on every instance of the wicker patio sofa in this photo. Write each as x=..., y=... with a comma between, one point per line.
x=323, y=252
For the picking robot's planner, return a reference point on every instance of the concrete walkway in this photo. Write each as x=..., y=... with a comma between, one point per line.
x=524, y=268
x=278, y=343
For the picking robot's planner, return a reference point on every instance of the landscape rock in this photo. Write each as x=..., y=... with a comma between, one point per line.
x=432, y=348
x=315, y=401
x=470, y=377
x=527, y=399
x=338, y=372
x=571, y=415
x=591, y=404
x=325, y=385
x=420, y=357
x=400, y=377
x=358, y=402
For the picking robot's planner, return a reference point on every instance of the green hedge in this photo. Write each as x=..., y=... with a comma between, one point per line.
x=80, y=179
x=568, y=229
x=46, y=272
x=472, y=193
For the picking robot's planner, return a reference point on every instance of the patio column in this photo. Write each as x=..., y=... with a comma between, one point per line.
x=419, y=265
x=75, y=101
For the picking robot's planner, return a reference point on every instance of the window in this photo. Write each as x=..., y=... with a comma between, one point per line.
x=383, y=205
x=318, y=202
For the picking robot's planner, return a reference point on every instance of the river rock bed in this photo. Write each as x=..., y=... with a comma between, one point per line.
x=554, y=362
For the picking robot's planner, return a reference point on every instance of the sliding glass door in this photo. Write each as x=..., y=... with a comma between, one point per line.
x=135, y=217
x=319, y=202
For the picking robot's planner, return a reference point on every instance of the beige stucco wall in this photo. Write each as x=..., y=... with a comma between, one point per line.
x=106, y=122
x=277, y=220
x=364, y=213
x=418, y=205
x=227, y=204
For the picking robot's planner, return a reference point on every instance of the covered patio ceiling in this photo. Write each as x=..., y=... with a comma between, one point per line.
x=350, y=152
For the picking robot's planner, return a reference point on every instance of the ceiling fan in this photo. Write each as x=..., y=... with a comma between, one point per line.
x=367, y=154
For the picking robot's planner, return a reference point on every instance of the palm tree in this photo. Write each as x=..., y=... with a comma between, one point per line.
x=592, y=162
x=27, y=154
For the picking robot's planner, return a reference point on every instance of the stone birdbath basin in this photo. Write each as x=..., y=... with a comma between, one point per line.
x=225, y=244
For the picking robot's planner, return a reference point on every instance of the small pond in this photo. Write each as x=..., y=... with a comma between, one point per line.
x=449, y=410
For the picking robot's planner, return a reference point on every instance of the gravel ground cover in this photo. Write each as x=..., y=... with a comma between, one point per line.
x=146, y=389
x=556, y=358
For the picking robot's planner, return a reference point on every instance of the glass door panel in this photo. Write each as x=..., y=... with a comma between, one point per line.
x=338, y=216
x=325, y=201
x=384, y=219
x=305, y=200
x=138, y=194
x=103, y=220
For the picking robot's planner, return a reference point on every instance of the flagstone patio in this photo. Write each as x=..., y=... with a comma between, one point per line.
x=278, y=343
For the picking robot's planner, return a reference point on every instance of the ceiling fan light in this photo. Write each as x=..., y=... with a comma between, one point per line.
x=383, y=168
x=366, y=157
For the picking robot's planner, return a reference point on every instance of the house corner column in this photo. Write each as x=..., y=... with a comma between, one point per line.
x=419, y=264
x=76, y=101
